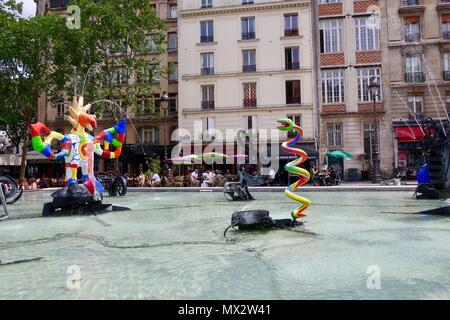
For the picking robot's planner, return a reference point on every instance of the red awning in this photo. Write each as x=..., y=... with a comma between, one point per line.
x=409, y=134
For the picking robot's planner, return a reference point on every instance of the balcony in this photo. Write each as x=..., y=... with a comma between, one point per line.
x=249, y=68
x=248, y=35
x=411, y=6
x=412, y=77
x=292, y=65
x=206, y=39
x=291, y=32
x=412, y=37
x=207, y=71
x=250, y=103
x=208, y=105
x=443, y=5
x=447, y=75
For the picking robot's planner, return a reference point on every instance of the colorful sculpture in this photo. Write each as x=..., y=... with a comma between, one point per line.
x=294, y=166
x=78, y=147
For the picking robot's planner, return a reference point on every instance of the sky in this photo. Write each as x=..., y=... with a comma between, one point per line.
x=29, y=8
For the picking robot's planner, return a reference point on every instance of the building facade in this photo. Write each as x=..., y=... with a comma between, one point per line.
x=148, y=135
x=348, y=46
x=416, y=60
x=244, y=65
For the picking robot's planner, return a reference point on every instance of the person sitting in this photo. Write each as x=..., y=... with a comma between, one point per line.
x=32, y=184
x=141, y=179
x=43, y=182
x=195, y=178
x=155, y=180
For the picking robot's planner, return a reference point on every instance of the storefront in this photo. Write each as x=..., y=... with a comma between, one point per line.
x=408, y=151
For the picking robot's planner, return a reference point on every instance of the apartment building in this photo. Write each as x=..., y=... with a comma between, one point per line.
x=243, y=65
x=417, y=70
x=147, y=135
x=349, y=50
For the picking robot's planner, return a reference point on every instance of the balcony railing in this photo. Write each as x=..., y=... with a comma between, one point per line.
x=293, y=100
x=292, y=65
x=447, y=75
x=250, y=103
x=291, y=32
x=206, y=39
x=248, y=35
x=249, y=68
x=207, y=71
x=407, y=3
x=414, y=77
x=412, y=37
x=208, y=105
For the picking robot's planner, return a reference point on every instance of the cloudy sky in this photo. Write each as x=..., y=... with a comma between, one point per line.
x=29, y=7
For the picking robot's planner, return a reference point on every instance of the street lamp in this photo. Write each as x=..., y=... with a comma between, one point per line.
x=165, y=108
x=374, y=90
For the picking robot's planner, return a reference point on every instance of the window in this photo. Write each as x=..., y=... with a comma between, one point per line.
x=364, y=76
x=120, y=76
x=150, y=135
x=206, y=3
x=117, y=48
x=249, y=60
x=293, y=92
x=173, y=12
x=206, y=31
x=298, y=121
x=207, y=63
x=251, y=123
x=334, y=131
x=413, y=69
x=173, y=42
x=151, y=45
x=145, y=105
x=248, y=28
x=143, y=75
x=247, y=1
x=333, y=86
x=155, y=71
x=207, y=96
x=367, y=34
x=291, y=25
x=331, y=36
x=292, y=58
x=446, y=66
x=370, y=143
x=173, y=103
x=208, y=128
x=329, y=1
x=411, y=28
x=60, y=108
x=446, y=26
x=173, y=72
x=250, y=100
x=415, y=105
x=447, y=100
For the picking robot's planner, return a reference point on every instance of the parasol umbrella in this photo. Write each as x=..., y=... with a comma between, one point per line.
x=213, y=156
x=339, y=154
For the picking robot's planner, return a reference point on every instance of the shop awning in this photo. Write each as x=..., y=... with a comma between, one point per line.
x=409, y=134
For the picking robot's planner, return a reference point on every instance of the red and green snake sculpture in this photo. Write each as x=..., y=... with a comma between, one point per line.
x=293, y=167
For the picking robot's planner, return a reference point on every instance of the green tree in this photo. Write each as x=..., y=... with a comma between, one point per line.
x=117, y=54
x=25, y=47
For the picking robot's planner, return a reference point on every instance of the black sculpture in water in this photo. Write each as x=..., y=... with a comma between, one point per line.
x=238, y=191
x=11, y=190
x=436, y=147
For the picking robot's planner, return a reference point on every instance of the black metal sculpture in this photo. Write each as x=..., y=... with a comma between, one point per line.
x=238, y=190
x=11, y=190
x=115, y=185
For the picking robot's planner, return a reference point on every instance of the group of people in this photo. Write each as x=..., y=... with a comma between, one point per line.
x=328, y=176
x=35, y=183
x=192, y=177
